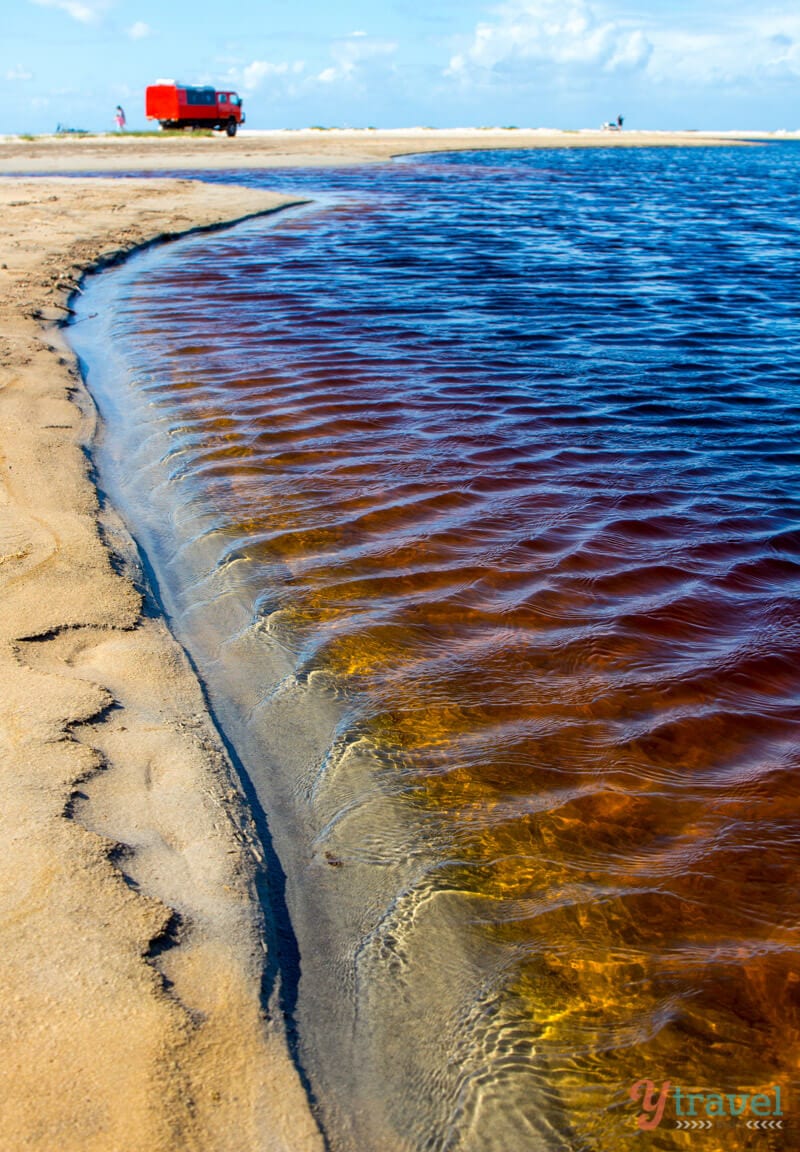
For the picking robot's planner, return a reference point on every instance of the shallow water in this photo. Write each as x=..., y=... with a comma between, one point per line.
x=474, y=493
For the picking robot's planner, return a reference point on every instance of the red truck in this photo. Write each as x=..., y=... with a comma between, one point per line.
x=185, y=106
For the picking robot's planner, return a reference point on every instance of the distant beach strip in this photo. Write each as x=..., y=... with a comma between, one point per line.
x=312, y=148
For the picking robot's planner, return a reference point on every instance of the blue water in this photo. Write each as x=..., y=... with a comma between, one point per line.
x=474, y=492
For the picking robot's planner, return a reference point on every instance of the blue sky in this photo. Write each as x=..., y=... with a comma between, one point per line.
x=539, y=63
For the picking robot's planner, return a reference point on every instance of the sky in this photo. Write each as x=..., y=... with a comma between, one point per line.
x=439, y=63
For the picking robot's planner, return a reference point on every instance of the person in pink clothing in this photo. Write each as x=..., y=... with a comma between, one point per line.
x=119, y=116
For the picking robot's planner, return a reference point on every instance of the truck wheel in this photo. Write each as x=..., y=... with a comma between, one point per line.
x=230, y=127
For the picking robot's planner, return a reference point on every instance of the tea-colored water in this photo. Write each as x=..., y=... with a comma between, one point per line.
x=503, y=452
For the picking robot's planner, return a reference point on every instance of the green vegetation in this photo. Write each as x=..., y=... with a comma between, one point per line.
x=156, y=133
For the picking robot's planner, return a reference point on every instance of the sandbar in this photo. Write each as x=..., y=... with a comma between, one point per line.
x=310, y=147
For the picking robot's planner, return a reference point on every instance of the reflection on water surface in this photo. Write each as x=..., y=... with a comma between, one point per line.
x=505, y=450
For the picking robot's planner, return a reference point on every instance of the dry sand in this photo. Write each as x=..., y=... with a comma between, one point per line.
x=122, y=828
x=310, y=147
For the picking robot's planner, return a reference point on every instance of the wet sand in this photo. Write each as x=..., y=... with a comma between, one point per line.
x=132, y=945
x=311, y=147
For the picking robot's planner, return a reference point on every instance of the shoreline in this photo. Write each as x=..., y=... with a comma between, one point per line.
x=134, y=946
x=133, y=942
x=285, y=732
x=325, y=147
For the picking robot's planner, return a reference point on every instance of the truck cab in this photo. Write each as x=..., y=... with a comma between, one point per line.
x=229, y=106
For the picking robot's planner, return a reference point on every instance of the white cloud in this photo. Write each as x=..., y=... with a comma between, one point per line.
x=19, y=74
x=524, y=40
x=564, y=33
x=84, y=11
x=139, y=30
x=253, y=76
x=354, y=55
x=758, y=48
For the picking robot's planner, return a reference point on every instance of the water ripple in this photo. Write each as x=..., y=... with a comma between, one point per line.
x=506, y=449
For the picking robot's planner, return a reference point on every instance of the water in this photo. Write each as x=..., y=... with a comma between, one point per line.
x=474, y=493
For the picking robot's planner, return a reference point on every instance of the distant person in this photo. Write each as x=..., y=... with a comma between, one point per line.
x=619, y=121
x=119, y=116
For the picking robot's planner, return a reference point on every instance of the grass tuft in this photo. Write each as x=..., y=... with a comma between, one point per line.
x=156, y=133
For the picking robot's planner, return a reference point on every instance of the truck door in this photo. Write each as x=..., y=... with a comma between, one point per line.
x=227, y=113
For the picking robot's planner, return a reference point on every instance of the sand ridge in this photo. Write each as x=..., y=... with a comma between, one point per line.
x=131, y=941
x=319, y=148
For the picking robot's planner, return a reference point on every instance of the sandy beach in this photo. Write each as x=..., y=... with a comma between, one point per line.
x=318, y=147
x=133, y=943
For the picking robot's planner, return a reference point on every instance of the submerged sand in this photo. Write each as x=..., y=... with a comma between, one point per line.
x=131, y=940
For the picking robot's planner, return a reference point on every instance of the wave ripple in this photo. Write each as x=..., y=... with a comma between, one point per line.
x=507, y=448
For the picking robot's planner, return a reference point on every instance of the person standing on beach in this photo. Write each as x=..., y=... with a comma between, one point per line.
x=619, y=121
x=119, y=116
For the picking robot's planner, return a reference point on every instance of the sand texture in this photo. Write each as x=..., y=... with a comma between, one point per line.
x=131, y=942
x=309, y=147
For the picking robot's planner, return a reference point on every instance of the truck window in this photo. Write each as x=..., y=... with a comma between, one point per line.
x=200, y=96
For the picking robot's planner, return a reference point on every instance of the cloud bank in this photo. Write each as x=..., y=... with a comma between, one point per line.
x=524, y=37
x=524, y=40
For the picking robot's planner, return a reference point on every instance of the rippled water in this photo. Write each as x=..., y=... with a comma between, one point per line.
x=485, y=475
